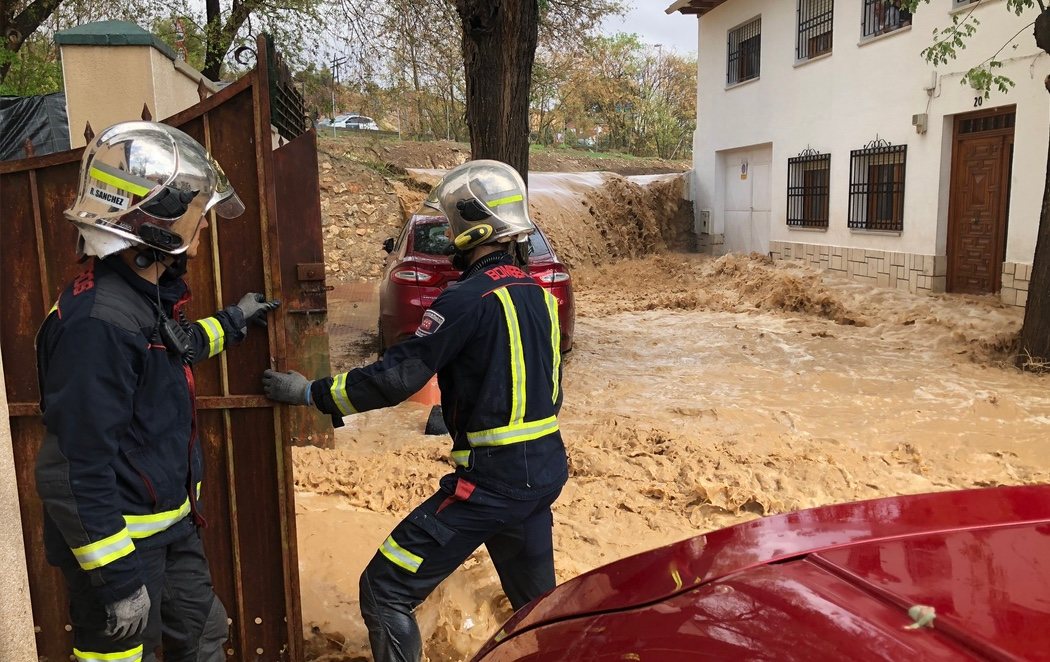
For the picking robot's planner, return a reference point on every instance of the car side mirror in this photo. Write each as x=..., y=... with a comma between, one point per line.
x=388, y=245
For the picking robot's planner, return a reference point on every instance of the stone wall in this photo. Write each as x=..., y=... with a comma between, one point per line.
x=919, y=274
x=1015, y=283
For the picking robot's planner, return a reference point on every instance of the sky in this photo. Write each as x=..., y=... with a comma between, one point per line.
x=647, y=19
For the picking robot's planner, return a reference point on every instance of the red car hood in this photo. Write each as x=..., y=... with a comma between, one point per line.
x=930, y=549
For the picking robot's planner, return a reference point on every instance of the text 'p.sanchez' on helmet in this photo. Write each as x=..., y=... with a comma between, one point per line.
x=485, y=202
x=150, y=184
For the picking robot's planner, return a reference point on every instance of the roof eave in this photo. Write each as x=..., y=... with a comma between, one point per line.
x=697, y=7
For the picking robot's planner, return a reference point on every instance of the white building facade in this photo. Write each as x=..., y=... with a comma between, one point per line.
x=823, y=136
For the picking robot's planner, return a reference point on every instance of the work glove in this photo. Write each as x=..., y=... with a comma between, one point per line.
x=254, y=307
x=289, y=387
x=127, y=618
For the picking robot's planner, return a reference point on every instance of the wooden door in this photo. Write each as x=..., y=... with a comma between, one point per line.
x=979, y=201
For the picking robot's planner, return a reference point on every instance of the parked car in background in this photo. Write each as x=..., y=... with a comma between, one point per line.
x=419, y=268
x=359, y=122
x=946, y=576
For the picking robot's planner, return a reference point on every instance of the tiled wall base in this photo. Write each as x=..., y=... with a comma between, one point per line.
x=919, y=274
x=1015, y=283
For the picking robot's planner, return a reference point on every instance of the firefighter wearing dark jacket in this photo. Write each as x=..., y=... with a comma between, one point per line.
x=120, y=471
x=493, y=341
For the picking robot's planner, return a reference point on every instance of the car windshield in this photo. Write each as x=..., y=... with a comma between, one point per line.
x=430, y=239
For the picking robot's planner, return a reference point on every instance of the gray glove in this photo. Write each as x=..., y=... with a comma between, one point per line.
x=127, y=618
x=254, y=307
x=289, y=387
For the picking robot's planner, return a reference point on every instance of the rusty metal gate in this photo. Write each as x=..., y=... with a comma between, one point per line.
x=274, y=247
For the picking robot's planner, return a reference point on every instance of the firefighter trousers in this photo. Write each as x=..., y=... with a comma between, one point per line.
x=186, y=617
x=434, y=540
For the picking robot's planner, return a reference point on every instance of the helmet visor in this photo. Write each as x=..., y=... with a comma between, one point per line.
x=224, y=200
x=231, y=207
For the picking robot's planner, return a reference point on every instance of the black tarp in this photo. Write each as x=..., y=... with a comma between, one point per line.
x=41, y=119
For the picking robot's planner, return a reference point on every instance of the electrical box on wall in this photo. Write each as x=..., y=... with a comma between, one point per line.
x=703, y=222
x=920, y=122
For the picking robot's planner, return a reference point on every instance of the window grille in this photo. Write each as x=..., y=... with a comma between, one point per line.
x=745, y=50
x=814, y=28
x=962, y=3
x=876, y=186
x=809, y=190
x=882, y=16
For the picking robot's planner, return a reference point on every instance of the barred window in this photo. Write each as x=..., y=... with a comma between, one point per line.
x=745, y=51
x=962, y=3
x=876, y=188
x=814, y=28
x=809, y=189
x=883, y=16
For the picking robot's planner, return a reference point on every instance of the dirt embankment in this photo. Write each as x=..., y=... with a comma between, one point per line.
x=368, y=191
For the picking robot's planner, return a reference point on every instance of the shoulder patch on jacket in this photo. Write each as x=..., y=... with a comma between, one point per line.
x=432, y=321
x=119, y=304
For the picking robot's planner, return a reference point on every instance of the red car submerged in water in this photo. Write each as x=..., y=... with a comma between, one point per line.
x=418, y=270
x=947, y=576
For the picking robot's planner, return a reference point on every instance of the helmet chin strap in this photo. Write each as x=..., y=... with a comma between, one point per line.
x=174, y=265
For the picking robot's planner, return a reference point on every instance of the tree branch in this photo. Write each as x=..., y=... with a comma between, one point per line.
x=29, y=19
x=23, y=25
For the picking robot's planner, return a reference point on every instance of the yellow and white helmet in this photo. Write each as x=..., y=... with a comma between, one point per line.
x=485, y=202
x=147, y=184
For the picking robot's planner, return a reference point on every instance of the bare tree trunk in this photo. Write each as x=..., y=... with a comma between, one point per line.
x=418, y=90
x=219, y=35
x=213, y=26
x=1035, y=334
x=499, y=48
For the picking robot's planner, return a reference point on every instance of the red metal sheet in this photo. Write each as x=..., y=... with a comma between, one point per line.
x=261, y=572
x=302, y=272
x=219, y=504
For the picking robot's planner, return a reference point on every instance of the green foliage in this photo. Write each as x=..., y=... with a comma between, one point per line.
x=615, y=93
x=35, y=69
x=948, y=41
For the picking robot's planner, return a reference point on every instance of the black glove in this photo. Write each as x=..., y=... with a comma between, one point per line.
x=289, y=387
x=127, y=618
x=254, y=307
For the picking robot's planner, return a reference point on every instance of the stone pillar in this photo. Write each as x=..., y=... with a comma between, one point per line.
x=114, y=69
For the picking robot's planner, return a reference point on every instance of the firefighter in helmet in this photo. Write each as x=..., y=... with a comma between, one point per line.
x=493, y=341
x=120, y=471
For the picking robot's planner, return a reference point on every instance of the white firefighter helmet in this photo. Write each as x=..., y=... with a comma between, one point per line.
x=147, y=184
x=485, y=202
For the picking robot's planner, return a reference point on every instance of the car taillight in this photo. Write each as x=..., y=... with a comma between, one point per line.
x=551, y=277
x=412, y=276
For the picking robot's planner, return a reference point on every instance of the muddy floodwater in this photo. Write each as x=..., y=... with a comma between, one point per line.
x=701, y=392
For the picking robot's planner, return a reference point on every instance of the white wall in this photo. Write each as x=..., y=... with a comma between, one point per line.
x=17, y=638
x=839, y=102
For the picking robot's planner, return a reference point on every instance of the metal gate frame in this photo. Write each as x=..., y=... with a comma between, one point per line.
x=274, y=247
